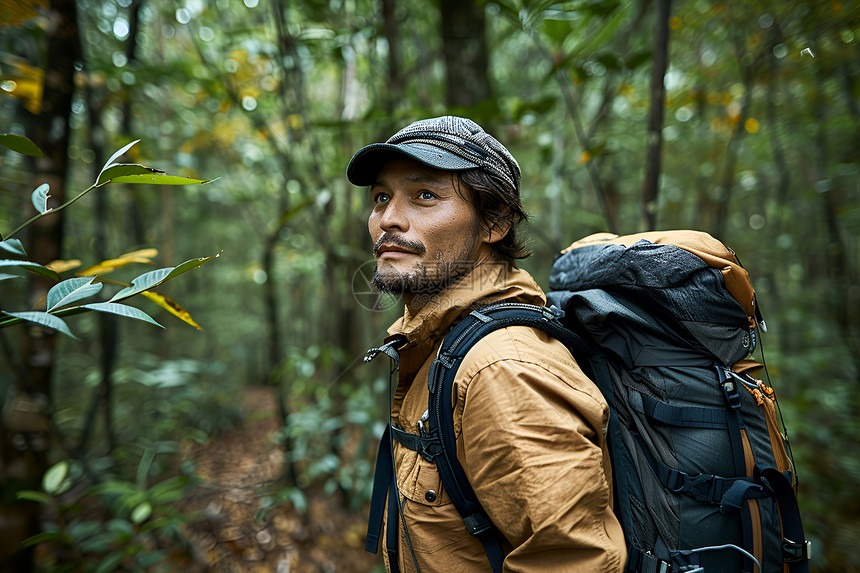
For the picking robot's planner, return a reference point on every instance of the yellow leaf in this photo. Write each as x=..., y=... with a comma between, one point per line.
x=751, y=125
x=674, y=23
x=16, y=12
x=251, y=91
x=172, y=307
x=148, y=253
x=584, y=158
x=63, y=266
x=113, y=264
x=24, y=82
x=295, y=121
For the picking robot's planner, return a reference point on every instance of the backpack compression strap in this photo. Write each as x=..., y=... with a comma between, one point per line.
x=440, y=439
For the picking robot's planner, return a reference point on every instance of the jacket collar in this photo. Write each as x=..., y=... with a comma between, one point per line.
x=487, y=283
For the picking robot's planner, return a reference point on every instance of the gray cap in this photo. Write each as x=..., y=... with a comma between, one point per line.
x=449, y=143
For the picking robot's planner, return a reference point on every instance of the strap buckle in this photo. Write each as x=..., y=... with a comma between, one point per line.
x=477, y=523
x=730, y=388
x=794, y=552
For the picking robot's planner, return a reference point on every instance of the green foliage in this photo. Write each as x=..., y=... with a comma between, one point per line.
x=115, y=525
x=330, y=431
x=760, y=148
x=62, y=296
x=20, y=144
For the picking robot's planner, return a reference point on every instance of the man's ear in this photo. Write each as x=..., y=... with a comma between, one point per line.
x=497, y=230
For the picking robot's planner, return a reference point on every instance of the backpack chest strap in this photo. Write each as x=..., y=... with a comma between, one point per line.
x=427, y=446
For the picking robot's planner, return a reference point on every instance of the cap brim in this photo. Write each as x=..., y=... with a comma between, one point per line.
x=367, y=162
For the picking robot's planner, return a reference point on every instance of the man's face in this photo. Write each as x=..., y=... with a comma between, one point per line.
x=425, y=234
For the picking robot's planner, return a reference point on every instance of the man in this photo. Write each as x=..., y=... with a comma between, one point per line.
x=530, y=425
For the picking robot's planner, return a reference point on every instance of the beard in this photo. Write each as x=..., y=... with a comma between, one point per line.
x=424, y=278
x=420, y=280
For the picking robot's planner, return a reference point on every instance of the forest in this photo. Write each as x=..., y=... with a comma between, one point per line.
x=192, y=395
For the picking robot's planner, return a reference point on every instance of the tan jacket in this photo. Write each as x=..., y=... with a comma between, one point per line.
x=531, y=438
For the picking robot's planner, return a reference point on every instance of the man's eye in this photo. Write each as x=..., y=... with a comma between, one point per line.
x=380, y=198
x=426, y=196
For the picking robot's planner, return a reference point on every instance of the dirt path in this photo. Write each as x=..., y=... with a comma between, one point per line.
x=237, y=467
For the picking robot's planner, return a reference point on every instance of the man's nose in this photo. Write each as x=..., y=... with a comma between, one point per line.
x=394, y=217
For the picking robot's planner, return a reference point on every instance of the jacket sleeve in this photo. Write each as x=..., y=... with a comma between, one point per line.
x=532, y=446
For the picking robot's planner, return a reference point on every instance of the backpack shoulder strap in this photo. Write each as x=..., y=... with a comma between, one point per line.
x=440, y=381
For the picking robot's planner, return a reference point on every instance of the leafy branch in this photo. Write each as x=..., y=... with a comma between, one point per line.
x=110, y=173
x=62, y=297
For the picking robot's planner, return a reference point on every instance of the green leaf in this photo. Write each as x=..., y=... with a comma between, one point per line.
x=162, y=179
x=31, y=495
x=607, y=31
x=20, y=144
x=557, y=30
x=149, y=559
x=44, y=319
x=30, y=266
x=144, y=466
x=120, y=488
x=143, y=282
x=153, y=177
x=152, y=279
x=13, y=246
x=637, y=59
x=110, y=563
x=168, y=490
x=120, y=527
x=54, y=477
x=41, y=538
x=188, y=265
x=118, y=170
x=39, y=197
x=115, y=156
x=141, y=513
x=298, y=499
x=78, y=530
x=121, y=310
x=72, y=290
x=99, y=543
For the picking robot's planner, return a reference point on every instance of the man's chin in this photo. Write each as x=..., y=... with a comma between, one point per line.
x=417, y=282
x=396, y=283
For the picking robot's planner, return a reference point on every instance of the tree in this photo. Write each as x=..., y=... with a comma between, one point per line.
x=51, y=134
x=654, y=141
x=467, y=80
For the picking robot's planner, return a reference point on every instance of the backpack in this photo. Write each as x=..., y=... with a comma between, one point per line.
x=663, y=323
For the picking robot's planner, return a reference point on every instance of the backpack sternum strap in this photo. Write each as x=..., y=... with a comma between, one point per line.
x=428, y=447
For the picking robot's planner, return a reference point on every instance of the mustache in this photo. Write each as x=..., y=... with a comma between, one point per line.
x=413, y=246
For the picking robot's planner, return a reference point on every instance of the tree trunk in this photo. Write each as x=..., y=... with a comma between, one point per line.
x=391, y=31
x=24, y=451
x=654, y=142
x=465, y=51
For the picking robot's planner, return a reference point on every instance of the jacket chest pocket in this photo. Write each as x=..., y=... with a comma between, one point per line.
x=432, y=520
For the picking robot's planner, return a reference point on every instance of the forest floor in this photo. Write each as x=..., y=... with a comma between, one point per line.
x=236, y=468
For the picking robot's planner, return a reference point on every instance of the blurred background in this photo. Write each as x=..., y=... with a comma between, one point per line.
x=242, y=436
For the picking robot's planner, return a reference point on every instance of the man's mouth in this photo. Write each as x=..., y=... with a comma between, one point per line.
x=392, y=246
x=392, y=251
